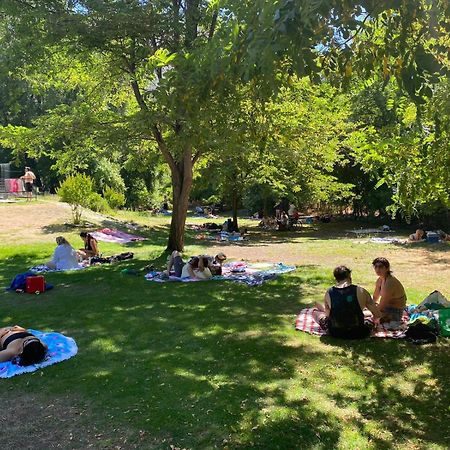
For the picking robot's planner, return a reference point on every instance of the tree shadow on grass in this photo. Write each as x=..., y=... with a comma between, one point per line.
x=204, y=365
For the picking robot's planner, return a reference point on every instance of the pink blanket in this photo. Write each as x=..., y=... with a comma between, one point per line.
x=115, y=236
x=305, y=322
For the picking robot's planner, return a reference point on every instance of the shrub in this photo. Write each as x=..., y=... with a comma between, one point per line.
x=76, y=190
x=114, y=198
x=97, y=203
x=138, y=196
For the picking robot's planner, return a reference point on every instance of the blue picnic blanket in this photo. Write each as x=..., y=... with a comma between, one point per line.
x=60, y=348
x=247, y=273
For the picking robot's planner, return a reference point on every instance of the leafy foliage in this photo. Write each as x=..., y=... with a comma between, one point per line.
x=77, y=191
x=115, y=200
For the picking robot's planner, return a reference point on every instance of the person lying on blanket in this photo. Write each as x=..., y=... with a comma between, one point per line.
x=345, y=302
x=90, y=246
x=419, y=236
x=198, y=267
x=16, y=341
x=389, y=292
x=64, y=256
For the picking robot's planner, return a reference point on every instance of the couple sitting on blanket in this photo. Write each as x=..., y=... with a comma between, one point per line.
x=201, y=267
x=65, y=257
x=343, y=315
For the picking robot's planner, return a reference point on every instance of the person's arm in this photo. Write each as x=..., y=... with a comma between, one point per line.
x=377, y=291
x=201, y=264
x=94, y=246
x=7, y=355
x=327, y=303
x=190, y=271
x=365, y=299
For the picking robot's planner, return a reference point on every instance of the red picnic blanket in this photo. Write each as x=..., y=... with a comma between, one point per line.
x=305, y=322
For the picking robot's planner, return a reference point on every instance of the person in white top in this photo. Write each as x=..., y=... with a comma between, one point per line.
x=64, y=257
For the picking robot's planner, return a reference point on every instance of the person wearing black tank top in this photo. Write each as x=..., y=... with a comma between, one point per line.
x=343, y=315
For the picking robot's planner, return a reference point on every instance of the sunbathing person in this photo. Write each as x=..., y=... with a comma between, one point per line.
x=64, y=257
x=419, y=236
x=443, y=236
x=389, y=292
x=90, y=246
x=18, y=342
x=343, y=314
x=196, y=268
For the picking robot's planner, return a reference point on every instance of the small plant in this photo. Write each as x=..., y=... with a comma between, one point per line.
x=115, y=199
x=76, y=190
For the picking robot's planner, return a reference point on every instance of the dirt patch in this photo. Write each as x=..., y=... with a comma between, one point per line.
x=32, y=422
x=27, y=222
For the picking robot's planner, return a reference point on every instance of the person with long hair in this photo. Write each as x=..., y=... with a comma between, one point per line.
x=90, y=246
x=16, y=341
x=64, y=256
x=389, y=292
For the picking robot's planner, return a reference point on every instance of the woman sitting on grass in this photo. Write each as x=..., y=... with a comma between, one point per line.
x=64, y=257
x=90, y=246
x=16, y=341
x=389, y=292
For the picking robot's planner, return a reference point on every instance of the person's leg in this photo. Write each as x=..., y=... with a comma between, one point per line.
x=178, y=265
x=321, y=318
x=175, y=262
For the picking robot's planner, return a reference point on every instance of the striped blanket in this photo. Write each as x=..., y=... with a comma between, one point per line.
x=305, y=322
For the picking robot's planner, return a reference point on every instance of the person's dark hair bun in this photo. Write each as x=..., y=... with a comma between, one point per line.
x=33, y=353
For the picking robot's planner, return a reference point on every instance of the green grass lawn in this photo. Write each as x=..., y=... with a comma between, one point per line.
x=213, y=365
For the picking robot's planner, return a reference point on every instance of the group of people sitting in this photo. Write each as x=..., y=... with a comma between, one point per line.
x=65, y=257
x=201, y=267
x=343, y=314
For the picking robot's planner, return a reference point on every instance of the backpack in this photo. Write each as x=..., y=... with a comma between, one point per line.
x=420, y=334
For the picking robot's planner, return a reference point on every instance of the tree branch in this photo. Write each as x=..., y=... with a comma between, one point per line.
x=163, y=148
x=212, y=27
x=196, y=157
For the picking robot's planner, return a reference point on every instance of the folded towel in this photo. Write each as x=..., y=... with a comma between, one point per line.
x=60, y=348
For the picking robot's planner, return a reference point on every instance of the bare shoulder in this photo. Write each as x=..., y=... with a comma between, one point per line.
x=393, y=281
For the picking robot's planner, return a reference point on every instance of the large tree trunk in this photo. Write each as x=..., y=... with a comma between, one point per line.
x=181, y=188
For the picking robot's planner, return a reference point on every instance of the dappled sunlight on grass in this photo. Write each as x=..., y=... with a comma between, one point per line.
x=218, y=364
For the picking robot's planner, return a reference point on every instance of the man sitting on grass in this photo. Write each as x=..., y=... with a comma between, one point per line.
x=343, y=314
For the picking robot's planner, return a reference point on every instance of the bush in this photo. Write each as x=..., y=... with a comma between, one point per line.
x=114, y=198
x=138, y=196
x=97, y=203
x=76, y=190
